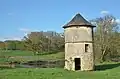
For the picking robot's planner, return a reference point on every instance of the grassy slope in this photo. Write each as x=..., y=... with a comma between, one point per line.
x=58, y=73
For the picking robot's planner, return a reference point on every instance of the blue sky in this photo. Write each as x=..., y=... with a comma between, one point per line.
x=18, y=17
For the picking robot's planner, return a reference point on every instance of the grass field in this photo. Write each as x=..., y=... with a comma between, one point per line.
x=109, y=71
x=24, y=56
x=15, y=53
x=103, y=71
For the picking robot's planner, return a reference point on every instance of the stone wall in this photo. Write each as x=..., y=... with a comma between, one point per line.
x=75, y=40
x=74, y=34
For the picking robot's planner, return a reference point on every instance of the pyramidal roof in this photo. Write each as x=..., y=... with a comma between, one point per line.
x=78, y=20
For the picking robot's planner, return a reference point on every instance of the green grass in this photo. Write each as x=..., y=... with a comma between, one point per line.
x=59, y=55
x=59, y=73
x=15, y=53
x=103, y=71
x=3, y=60
x=24, y=56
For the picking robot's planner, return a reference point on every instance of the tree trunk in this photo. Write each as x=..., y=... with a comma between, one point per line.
x=103, y=55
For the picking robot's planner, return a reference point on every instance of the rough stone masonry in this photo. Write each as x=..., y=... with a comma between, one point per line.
x=79, y=54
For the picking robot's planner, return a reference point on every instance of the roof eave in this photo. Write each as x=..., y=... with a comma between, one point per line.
x=78, y=25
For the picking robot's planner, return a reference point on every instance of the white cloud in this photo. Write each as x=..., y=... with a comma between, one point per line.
x=16, y=38
x=118, y=21
x=24, y=29
x=10, y=13
x=2, y=39
x=10, y=38
x=27, y=30
x=104, y=12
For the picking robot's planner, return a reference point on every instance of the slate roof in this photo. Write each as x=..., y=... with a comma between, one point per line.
x=78, y=20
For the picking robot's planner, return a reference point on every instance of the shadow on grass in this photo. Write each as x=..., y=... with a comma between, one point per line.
x=97, y=67
x=106, y=66
x=2, y=68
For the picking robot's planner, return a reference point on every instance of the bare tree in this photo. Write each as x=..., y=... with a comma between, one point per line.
x=104, y=33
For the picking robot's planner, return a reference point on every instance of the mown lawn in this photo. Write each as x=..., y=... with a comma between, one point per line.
x=112, y=72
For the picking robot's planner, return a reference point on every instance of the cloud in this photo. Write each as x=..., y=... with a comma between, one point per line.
x=27, y=30
x=16, y=38
x=104, y=12
x=2, y=39
x=10, y=38
x=10, y=13
x=118, y=21
x=24, y=29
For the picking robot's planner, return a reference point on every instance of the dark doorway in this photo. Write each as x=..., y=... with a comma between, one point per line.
x=77, y=64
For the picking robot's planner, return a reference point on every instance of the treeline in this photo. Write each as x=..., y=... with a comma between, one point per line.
x=38, y=42
x=44, y=42
x=12, y=45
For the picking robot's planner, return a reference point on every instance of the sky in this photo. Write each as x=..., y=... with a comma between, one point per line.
x=19, y=17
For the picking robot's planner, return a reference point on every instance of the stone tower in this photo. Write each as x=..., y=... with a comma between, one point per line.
x=79, y=44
